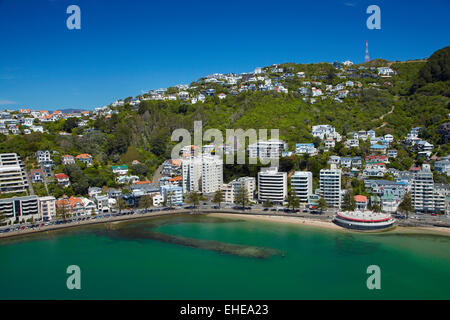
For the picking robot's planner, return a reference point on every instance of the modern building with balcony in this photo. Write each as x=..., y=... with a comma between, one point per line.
x=422, y=192
x=47, y=207
x=231, y=189
x=330, y=186
x=272, y=185
x=203, y=174
x=301, y=182
x=173, y=195
x=20, y=209
x=13, y=177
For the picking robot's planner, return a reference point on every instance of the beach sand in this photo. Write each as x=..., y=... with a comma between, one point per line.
x=331, y=225
x=281, y=219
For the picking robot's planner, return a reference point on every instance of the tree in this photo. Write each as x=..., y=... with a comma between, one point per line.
x=62, y=212
x=348, y=202
x=292, y=200
x=322, y=205
x=80, y=182
x=406, y=205
x=376, y=208
x=194, y=198
x=70, y=124
x=145, y=202
x=218, y=197
x=267, y=203
x=120, y=205
x=139, y=169
x=241, y=197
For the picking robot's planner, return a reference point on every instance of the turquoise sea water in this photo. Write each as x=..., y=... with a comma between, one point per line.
x=195, y=257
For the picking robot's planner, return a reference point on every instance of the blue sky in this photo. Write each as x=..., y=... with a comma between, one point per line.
x=126, y=47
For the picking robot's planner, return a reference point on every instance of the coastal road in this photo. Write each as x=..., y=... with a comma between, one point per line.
x=442, y=223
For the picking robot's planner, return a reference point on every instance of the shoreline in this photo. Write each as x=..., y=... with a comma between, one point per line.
x=324, y=222
x=281, y=219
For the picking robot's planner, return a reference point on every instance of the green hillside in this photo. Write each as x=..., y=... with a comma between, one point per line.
x=417, y=96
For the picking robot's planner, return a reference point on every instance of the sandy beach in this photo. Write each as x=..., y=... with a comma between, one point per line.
x=331, y=225
x=439, y=230
x=282, y=219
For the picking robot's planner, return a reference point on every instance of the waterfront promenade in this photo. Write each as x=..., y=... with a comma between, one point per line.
x=429, y=223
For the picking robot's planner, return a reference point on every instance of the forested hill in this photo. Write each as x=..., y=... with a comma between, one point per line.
x=417, y=95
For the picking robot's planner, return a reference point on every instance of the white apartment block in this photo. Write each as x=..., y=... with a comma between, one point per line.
x=212, y=174
x=228, y=193
x=191, y=174
x=172, y=194
x=428, y=197
x=47, y=207
x=422, y=192
x=12, y=174
x=19, y=209
x=231, y=189
x=330, y=186
x=442, y=198
x=272, y=185
x=203, y=174
x=270, y=149
x=301, y=182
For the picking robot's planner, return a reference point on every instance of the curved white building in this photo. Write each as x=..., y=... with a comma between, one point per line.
x=363, y=220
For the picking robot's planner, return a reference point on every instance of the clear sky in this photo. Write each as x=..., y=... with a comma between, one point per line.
x=127, y=47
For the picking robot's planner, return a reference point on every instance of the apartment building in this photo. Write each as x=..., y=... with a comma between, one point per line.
x=330, y=186
x=442, y=198
x=231, y=189
x=301, y=182
x=212, y=174
x=19, y=209
x=12, y=174
x=172, y=194
x=47, y=207
x=203, y=174
x=422, y=193
x=272, y=185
